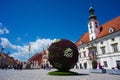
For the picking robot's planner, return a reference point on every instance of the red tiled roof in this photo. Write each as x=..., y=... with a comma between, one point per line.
x=83, y=39
x=114, y=24
x=37, y=57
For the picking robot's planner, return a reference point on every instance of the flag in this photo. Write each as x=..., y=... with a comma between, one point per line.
x=90, y=54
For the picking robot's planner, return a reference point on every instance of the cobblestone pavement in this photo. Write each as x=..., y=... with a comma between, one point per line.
x=41, y=74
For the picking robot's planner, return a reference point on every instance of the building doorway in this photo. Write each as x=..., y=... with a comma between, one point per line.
x=118, y=64
x=85, y=65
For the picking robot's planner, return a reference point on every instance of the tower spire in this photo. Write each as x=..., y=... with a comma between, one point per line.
x=93, y=24
x=91, y=11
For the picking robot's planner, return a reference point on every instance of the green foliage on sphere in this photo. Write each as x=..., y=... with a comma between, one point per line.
x=63, y=54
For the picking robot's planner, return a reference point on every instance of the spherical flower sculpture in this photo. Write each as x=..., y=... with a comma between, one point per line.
x=63, y=55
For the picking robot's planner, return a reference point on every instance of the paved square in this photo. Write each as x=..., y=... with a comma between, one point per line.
x=41, y=74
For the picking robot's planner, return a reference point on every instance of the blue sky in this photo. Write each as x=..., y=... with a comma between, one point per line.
x=40, y=22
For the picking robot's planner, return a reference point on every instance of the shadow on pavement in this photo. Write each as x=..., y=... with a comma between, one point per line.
x=82, y=74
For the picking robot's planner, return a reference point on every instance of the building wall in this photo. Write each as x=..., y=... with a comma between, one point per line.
x=110, y=56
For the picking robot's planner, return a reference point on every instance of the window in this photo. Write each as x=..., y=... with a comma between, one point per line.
x=90, y=25
x=115, y=48
x=113, y=39
x=103, y=50
x=101, y=42
x=84, y=53
x=79, y=55
x=96, y=25
x=91, y=31
x=105, y=64
x=78, y=49
x=92, y=38
x=93, y=52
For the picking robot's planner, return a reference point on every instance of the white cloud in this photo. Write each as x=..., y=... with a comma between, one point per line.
x=39, y=44
x=5, y=43
x=22, y=51
x=3, y=30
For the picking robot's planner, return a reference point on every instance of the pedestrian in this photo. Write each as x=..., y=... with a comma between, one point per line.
x=99, y=66
x=21, y=65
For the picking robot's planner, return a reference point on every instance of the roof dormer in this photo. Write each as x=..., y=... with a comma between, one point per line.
x=111, y=30
x=80, y=42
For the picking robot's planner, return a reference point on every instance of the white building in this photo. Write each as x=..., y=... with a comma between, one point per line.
x=102, y=41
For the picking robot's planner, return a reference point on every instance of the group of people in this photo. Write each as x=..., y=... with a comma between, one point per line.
x=18, y=66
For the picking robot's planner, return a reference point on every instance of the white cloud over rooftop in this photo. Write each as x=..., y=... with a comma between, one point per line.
x=21, y=52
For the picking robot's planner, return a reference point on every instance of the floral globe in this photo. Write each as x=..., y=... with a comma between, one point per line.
x=63, y=55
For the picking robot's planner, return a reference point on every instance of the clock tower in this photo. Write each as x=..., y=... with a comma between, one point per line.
x=93, y=25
